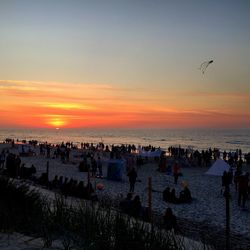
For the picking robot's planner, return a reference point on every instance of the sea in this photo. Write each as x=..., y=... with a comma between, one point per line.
x=201, y=139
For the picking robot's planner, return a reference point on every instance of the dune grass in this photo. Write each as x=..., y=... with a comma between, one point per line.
x=21, y=209
x=82, y=225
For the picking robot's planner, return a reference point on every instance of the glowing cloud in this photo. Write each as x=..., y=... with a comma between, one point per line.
x=65, y=106
x=57, y=105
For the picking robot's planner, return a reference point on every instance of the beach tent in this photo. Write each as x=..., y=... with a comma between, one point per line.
x=218, y=168
x=115, y=170
x=150, y=154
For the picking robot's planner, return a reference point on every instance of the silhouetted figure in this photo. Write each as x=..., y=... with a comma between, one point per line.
x=176, y=172
x=125, y=205
x=18, y=164
x=67, y=154
x=90, y=192
x=48, y=151
x=163, y=164
x=80, y=190
x=173, y=197
x=135, y=209
x=132, y=175
x=237, y=174
x=166, y=194
x=170, y=221
x=26, y=173
x=83, y=166
x=226, y=178
x=185, y=195
x=2, y=159
x=99, y=166
x=64, y=185
x=68, y=187
x=55, y=182
x=60, y=182
x=12, y=165
x=243, y=189
x=93, y=167
x=73, y=190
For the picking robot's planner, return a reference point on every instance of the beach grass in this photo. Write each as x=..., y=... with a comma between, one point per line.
x=21, y=209
x=80, y=225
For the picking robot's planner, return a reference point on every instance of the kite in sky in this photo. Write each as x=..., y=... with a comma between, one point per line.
x=204, y=66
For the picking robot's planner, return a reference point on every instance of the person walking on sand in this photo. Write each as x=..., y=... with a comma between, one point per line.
x=176, y=172
x=132, y=175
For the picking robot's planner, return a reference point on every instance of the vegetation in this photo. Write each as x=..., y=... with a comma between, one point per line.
x=21, y=209
x=80, y=225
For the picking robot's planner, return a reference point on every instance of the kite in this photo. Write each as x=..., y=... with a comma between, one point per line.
x=204, y=66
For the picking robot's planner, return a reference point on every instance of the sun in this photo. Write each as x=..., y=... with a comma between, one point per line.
x=56, y=122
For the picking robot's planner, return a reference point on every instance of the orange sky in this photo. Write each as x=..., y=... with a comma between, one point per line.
x=55, y=104
x=124, y=64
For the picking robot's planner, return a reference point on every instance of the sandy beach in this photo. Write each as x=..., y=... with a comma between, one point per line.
x=208, y=205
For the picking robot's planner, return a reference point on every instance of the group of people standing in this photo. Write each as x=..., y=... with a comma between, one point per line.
x=241, y=183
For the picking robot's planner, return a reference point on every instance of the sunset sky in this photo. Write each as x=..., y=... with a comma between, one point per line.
x=124, y=63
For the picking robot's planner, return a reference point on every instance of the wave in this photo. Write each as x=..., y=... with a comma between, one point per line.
x=238, y=142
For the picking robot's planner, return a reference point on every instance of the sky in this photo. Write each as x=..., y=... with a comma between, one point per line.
x=124, y=64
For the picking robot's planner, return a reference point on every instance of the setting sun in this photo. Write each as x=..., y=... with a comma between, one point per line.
x=56, y=121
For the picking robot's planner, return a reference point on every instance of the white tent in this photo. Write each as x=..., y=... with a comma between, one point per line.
x=218, y=168
x=156, y=153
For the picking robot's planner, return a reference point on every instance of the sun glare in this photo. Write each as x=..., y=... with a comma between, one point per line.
x=56, y=122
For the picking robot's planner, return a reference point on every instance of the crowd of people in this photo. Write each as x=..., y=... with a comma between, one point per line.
x=72, y=187
x=91, y=162
x=204, y=157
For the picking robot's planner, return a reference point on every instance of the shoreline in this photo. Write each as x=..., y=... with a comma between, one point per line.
x=200, y=139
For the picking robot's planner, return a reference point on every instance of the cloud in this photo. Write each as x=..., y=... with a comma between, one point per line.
x=231, y=95
x=56, y=94
x=52, y=84
x=65, y=106
x=76, y=104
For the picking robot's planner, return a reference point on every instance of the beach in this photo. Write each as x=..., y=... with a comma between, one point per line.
x=207, y=206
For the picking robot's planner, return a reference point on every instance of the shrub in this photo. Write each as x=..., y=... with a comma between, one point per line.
x=85, y=225
x=21, y=209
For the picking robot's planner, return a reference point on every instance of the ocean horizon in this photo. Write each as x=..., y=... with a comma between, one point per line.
x=201, y=139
